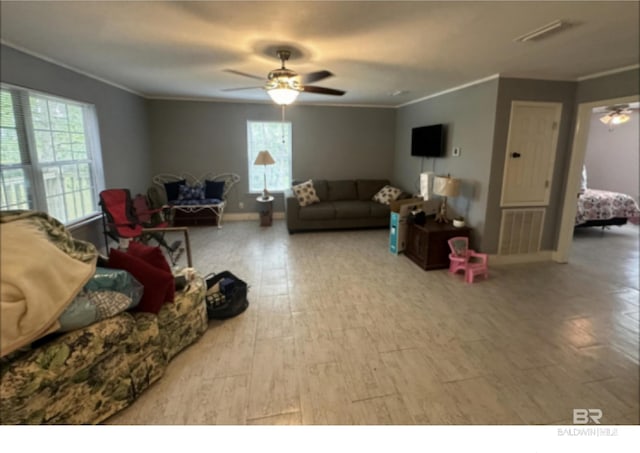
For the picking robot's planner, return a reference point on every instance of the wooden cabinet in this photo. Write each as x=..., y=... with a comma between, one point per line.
x=427, y=244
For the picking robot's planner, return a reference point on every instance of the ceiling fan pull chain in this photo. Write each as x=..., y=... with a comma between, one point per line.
x=283, y=106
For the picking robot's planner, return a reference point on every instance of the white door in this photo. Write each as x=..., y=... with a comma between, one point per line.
x=531, y=152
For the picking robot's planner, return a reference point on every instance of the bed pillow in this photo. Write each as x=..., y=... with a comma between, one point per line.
x=155, y=257
x=172, y=189
x=305, y=193
x=213, y=189
x=583, y=180
x=387, y=194
x=156, y=282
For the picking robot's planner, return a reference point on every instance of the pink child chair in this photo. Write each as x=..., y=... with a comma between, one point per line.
x=466, y=259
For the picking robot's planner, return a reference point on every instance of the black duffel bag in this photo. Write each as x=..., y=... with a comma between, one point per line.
x=232, y=298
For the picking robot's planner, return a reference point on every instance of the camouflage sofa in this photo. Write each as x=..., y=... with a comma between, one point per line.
x=87, y=375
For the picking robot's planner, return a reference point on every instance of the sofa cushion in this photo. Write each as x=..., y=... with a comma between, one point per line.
x=367, y=188
x=352, y=209
x=322, y=190
x=305, y=193
x=387, y=194
x=318, y=211
x=379, y=210
x=342, y=190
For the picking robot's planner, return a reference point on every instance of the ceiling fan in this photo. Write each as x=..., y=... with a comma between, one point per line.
x=284, y=85
x=617, y=114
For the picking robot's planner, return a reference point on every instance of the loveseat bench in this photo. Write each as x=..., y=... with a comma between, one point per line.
x=343, y=204
x=192, y=201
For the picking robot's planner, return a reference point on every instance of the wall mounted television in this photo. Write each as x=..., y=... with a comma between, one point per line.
x=429, y=141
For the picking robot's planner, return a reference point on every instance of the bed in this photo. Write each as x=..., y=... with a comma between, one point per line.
x=604, y=208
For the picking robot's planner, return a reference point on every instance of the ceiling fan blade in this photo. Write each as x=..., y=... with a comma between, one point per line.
x=251, y=76
x=322, y=90
x=240, y=89
x=316, y=76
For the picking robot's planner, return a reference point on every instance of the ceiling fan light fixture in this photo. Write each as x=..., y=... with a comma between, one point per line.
x=620, y=118
x=605, y=119
x=283, y=96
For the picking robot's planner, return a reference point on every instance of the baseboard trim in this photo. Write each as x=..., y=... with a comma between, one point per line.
x=244, y=216
x=545, y=255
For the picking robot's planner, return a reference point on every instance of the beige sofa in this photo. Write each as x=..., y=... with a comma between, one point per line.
x=343, y=204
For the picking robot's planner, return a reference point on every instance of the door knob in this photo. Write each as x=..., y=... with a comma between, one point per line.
x=515, y=155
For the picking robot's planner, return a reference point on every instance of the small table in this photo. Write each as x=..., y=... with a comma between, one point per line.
x=266, y=210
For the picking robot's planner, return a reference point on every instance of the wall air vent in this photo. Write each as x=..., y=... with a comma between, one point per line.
x=543, y=32
x=521, y=231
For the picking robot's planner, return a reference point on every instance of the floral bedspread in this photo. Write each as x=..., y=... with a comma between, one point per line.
x=602, y=205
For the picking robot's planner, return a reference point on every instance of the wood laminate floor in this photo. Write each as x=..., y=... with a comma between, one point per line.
x=340, y=331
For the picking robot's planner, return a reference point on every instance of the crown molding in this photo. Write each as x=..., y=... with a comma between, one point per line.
x=609, y=72
x=451, y=90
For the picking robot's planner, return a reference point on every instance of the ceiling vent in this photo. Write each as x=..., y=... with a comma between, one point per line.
x=543, y=32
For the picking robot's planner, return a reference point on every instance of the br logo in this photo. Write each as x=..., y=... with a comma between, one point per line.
x=586, y=416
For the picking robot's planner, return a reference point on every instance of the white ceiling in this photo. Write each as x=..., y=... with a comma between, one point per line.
x=180, y=49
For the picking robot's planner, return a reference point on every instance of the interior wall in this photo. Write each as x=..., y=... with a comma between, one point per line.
x=327, y=142
x=612, y=86
x=612, y=156
x=469, y=115
x=122, y=118
x=511, y=89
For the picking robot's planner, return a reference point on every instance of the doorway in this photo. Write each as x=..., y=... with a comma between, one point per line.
x=578, y=152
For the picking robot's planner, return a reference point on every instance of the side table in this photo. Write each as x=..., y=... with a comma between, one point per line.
x=266, y=210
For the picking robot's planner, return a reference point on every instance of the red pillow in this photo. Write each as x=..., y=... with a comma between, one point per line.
x=155, y=281
x=155, y=257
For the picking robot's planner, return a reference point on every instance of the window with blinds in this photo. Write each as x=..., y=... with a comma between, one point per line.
x=274, y=137
x=49, y=154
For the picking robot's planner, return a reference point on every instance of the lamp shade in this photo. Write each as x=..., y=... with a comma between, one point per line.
x=264, y=158
x=446, y=186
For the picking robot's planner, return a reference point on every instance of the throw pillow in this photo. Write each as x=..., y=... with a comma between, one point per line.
x=172, y=188
x=109, y=292
x=155, y=257
x=387, y=194
x=305, y=193
x=187, y=192
x=213, y=189
x=156, y=282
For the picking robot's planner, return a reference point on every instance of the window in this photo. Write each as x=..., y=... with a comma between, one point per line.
x=50, y=155
x=276, y=138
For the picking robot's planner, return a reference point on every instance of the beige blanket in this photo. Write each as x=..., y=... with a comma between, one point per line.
x=42, y=268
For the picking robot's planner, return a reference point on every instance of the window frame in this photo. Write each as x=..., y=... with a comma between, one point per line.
x=34, y=169
x=252, y=156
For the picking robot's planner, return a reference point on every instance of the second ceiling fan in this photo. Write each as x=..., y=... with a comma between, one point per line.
x=283, y=85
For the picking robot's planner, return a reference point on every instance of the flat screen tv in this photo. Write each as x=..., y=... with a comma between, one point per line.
x=428, y=141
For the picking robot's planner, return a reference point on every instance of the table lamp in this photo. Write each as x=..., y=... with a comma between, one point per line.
x=445, y=186
x=264, y=158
